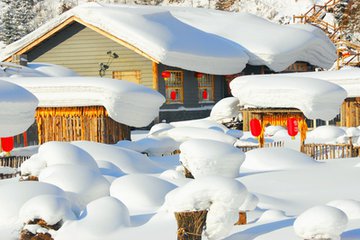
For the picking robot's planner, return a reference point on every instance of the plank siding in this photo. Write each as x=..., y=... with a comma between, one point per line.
x=82, y=50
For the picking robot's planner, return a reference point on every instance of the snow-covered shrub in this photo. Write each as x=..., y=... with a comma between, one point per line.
x=139, y=191
x=321, y=222
x=207, y=157
x=348, y=206
x=221, y=196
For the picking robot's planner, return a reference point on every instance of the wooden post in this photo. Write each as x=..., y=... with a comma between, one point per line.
x=190, y=224
x=242, y=219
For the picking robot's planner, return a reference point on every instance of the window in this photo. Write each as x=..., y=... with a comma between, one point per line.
x=205, y=87
x=297, y=67
x=133, y=76
x=174, y=87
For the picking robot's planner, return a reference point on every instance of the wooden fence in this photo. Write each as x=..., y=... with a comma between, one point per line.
x=331, y=151
x=12, y=162
x=267, y=145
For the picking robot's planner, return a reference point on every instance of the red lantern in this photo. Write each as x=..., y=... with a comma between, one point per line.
x=205, y=94
x=198, y=75
x=293, y=127
x=255, y=127
x=7, y=144
x=166, y=75
x=173, y=95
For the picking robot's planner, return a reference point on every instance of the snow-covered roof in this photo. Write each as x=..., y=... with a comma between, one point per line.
x=349, y=79
x=203, y=40
x=124, y=101
x=17, y=109
x=317, y=99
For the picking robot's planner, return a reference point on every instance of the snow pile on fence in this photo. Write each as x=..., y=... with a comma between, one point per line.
x=317, y=99
x=124, y=101
x=17, y=109
x=208, y=157
x=221, y=196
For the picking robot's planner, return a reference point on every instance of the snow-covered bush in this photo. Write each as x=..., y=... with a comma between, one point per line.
x=221, y=196
x=321, y=222
x=207, y=157
x=271, y=159
x=350, y=207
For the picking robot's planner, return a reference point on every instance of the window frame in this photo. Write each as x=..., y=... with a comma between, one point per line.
x=178, y=87
x=202, y=86
x=137, y=75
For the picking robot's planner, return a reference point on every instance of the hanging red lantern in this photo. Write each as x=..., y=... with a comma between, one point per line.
x=173, y=95
x=166, y=75
x=205, y=94
x=7, y=144
x=255, y=127
x=198, y=75
x=292, y=127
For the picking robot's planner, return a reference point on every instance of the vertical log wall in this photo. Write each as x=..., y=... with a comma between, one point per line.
x=79, y=123
x=350, y=112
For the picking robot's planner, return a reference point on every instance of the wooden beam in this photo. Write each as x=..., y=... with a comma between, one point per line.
x=155, y=76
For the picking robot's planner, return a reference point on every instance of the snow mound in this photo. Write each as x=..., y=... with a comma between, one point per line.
x=126, y=160
x=221, y=196
x=122, y=100
x=272, y=215
x=325, y=134
x=272, y=130
x=13, y=195
x=85, y=183
x=140, y=192
x=321, y=222
x=156, y=146
x=272, y=159
x=201, y=123
x=105, y=215
x=225, y=109
x=353, y=132
x=50, y=208
x=317, y=99
x=208, y=157
x=350, y=207
x=52, y=70
x=18, y=107
x=157, y=128
x=109, y=169
x=183, y=134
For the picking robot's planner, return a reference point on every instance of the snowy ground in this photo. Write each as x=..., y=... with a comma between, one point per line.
x=285, y=181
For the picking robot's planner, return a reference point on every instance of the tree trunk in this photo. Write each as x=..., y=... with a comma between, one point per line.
x=190, y=224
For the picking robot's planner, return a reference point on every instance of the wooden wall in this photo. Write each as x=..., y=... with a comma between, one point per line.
x=79, y=123
x=82, y=50
x=350, y=112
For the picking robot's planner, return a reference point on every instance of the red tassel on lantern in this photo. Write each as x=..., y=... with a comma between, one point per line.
x=173, y=95
x=255, y=127
x=166, y=75
x=292, y=127
x=7, y=144
x=205, y=94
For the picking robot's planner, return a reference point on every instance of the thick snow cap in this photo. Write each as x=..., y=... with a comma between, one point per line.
x=175, y=36
x=317, y=99
x=124, y=101
x=18, y=107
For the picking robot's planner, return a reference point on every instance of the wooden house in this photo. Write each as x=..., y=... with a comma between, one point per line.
x=105, y=40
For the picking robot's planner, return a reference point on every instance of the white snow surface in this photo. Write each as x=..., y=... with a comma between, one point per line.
x=123, y=100
x=350, y=207
x=325, y=134
x=321, y=222
x=18, y=107
x=174, y=36
x=225, y=109
x=221, y=196
x=317, y=99
x=52, y=70
x=207, y=157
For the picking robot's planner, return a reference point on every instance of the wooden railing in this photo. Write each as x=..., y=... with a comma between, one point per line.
x=331, y=151
x=12, y=162
x=267, y=145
